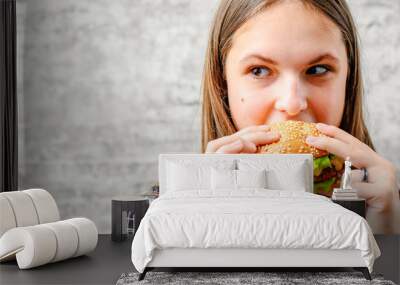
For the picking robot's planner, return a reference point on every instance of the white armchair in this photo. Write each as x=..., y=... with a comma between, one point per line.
x=31, y=230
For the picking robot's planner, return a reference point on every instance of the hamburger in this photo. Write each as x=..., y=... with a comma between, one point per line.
x=328, y=168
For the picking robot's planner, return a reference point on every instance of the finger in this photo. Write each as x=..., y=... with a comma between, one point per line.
x=375, y=197
x=335, y=132
x=234, y=147
x=261, y=138
x=330, y=145
x=364, y=190
x=359, y=155
x=250, y=129
x=214, y=145
x=357, y=175
x=249, y=147
x=238, y=146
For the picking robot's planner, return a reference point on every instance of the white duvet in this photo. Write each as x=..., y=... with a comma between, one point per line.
x=250, y=219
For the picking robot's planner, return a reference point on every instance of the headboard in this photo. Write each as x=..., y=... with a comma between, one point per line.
x=267, y=158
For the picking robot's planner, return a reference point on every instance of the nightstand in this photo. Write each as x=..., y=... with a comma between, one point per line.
x=126, y=214
x=356, y=205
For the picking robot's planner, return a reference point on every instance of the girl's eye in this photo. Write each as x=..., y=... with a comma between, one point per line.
x=260, y=71
x=317, y=70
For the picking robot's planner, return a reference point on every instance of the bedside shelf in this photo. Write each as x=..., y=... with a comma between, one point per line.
x=357, y=205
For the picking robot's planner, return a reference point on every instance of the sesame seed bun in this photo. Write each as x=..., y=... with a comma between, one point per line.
x=293, y=138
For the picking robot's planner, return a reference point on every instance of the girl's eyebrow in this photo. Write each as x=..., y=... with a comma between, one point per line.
x=325, y=56
x=257, y=56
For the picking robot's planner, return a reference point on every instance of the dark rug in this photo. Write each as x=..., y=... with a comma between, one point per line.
x=228, y=278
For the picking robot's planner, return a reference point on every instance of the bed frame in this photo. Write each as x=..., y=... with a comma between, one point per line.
x=241, y=259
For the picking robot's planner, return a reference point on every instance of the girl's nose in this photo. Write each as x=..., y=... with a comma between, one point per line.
x=291, y=98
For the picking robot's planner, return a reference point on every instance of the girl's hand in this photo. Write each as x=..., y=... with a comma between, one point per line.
x=243, y=141
x=381, y=190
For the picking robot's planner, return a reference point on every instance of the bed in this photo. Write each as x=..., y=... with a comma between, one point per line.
x=247, y=210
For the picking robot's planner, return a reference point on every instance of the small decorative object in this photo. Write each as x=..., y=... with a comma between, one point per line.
x=127, y=212
x=155, y=192
x=155, y=189
x=346, y=180
x=345, y=192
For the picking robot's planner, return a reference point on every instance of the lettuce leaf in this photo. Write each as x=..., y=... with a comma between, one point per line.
x=320, y=164
x=325, y=186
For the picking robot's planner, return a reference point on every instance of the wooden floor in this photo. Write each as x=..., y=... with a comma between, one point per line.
x=110, y=259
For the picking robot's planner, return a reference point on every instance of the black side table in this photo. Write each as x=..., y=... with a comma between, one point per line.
x=356, y=205
x=126, y=214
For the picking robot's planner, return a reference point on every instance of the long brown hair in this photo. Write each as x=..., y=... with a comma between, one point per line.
x=230, y=16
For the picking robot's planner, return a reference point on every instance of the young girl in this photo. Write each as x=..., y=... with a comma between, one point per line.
x=276, y=60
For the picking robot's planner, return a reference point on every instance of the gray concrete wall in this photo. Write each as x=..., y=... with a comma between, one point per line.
x=105, y=86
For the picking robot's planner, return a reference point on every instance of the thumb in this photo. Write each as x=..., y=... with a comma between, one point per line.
x=365, y=190
x=356, y=176
x=373, y=195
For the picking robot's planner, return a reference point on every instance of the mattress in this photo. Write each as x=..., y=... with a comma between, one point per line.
x=251, y=219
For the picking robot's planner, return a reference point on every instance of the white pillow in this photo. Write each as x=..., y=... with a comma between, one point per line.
x=187, y=177
x=251, y=178
x=283, y=172
x=193, y=174
x=228, y=179
x=223, y=179
x=293, y=180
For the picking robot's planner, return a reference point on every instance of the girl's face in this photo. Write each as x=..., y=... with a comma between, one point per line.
x=287, y=63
